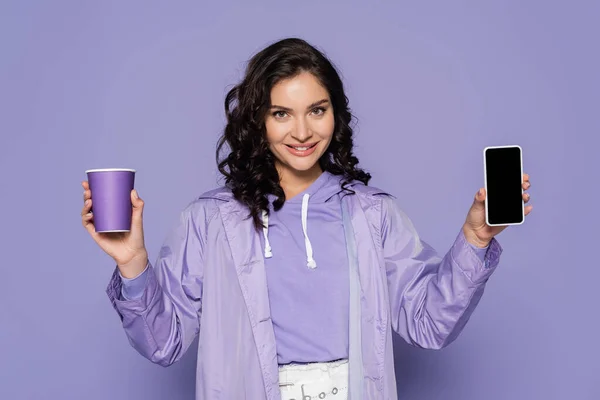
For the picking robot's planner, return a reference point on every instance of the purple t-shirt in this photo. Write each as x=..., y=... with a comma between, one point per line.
x=309, y=293
x=307, y=275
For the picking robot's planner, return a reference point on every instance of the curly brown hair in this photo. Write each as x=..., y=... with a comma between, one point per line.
x=249, y=166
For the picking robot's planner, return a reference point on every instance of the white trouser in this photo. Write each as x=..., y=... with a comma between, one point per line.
x=314, y=381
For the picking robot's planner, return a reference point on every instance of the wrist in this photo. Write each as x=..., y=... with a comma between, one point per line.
x=474, y=239
x=135, y=266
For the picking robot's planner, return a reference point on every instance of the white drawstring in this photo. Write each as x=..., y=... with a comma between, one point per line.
x=311, y=263
x=265, y=219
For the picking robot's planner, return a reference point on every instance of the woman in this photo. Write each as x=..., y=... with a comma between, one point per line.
x=295, y=273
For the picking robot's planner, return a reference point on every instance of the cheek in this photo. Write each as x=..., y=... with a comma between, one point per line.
x=275, y=132
x=325, y=127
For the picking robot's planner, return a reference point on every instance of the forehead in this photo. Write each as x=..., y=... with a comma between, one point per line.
x=300, y=90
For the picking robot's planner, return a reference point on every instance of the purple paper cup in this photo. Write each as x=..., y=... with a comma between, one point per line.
x=111, y=198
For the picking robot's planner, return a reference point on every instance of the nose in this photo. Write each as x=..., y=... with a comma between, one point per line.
x=301, y=131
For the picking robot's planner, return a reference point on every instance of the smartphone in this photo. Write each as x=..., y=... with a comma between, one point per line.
x=503, y=172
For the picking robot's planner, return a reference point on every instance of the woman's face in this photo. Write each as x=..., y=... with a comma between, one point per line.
x=299, y=124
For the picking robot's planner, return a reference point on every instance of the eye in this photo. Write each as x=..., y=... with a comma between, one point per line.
x=319, y=111
x=279, y=114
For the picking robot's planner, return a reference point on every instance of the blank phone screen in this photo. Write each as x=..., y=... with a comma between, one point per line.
x=503, y=180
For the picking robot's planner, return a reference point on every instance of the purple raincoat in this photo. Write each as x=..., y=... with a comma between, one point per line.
x=209, y=280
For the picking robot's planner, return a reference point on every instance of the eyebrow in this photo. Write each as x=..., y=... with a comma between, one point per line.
x=316, y=103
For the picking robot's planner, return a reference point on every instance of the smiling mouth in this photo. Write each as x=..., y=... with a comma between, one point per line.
x=303, y=147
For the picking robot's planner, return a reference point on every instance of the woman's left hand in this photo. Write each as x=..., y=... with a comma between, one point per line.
x=477, y=232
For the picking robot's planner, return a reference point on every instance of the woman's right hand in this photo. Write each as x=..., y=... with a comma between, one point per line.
x=126, y=248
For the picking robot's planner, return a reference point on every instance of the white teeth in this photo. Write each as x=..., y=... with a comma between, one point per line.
x=301, y=148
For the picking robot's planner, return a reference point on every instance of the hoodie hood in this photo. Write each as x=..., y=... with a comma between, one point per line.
x=320, y=191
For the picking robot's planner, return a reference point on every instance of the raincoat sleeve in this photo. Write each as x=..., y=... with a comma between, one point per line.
x=133, y=288
x=162, y=322
x=431, y=297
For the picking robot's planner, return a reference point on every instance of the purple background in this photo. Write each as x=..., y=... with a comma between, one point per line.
x=141, y=85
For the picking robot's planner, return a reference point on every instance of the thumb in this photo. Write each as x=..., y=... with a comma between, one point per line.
x=138, y=205
x=478, y=202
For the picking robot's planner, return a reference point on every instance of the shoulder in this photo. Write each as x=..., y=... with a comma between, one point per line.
x=390, y=223
x=370, y=196
x=378, y=204
x=368, y=192
x=206, y=205
x=221, y=193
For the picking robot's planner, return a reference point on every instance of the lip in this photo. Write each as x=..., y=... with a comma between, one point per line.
x=310, y=148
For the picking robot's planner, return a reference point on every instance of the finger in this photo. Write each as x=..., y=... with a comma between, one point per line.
x=525, y=177
x=87, y=218
x=526, y=185
x=85, y=185
x=138, y=207
x=480, y=195
x=87, y=221
x=479, y=198
x=526, y=197
x=87, y=194
x=136, y=200
x=87, y=206
x=528, y=209
x=89, y=226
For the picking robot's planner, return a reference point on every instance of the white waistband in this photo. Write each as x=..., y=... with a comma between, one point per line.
x=314, y=381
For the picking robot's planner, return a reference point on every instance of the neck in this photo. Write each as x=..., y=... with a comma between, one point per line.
x=295, y=182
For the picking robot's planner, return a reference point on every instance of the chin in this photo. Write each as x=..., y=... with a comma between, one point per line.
x=302, y=166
